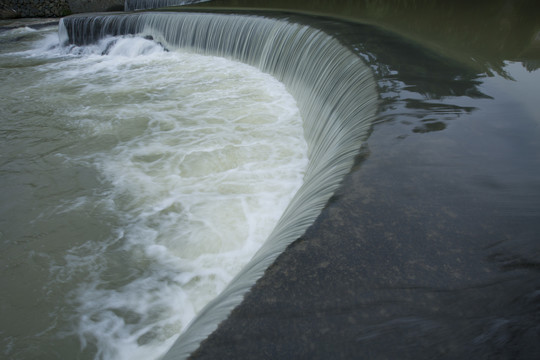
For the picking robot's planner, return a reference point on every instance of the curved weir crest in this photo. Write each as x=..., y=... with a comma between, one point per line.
x=130, y=5
x=335, y=92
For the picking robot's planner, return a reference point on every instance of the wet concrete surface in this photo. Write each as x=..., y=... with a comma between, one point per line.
x=431, y=247
x=404, y=263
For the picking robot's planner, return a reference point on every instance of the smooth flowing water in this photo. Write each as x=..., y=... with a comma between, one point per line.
x=136, y=182
x=336, y=97
x=130, y=5
x=429, y=249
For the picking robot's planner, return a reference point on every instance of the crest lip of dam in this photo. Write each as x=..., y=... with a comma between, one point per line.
x=335, y=91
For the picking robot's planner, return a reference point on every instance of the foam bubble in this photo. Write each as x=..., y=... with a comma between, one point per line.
x=198, y=155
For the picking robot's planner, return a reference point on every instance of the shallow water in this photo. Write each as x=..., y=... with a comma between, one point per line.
x=136, y=183
x=430, y=247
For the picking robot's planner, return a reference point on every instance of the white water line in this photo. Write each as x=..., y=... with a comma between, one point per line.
x=335, y=91
x=131, y=5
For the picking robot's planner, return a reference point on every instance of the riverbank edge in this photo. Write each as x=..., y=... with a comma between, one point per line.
x=15, y=9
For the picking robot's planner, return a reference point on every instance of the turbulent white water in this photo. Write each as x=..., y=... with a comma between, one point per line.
x=168, y=168
x=336, y=96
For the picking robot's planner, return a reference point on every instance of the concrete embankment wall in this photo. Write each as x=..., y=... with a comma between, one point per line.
x=55, y=8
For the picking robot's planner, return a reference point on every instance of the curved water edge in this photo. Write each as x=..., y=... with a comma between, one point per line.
x=131, y=5
x=335, y=91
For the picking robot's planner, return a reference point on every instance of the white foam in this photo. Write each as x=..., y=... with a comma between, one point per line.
x=44, y=43
x=199, y=157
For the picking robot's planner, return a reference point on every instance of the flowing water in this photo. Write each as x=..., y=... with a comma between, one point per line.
x=336, y=96
x=130, y=5
x=430, y=249
x=136, y=182
x=150, y=183
x=136, y=131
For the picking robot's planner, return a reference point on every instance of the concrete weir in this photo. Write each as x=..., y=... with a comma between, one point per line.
x=414, y=235
x=335, y=91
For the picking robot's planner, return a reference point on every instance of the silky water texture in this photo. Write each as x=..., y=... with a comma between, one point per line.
x=136, y=183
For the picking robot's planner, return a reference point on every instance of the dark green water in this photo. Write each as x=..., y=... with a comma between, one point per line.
x=431, y=248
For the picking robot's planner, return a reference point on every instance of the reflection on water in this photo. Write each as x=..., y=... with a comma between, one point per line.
x=430, y=249
x=418, y=85
x=481, y=33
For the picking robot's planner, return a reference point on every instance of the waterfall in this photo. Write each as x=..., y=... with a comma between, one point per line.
x=335, y=92
x=131, y=5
